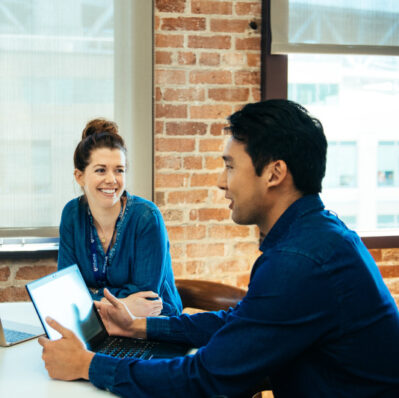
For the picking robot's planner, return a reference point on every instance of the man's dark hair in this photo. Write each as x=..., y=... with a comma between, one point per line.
x=283, y=130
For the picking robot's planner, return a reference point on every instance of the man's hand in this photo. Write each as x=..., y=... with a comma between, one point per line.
x=66, y=358
x=117, y=318
x=143, y=303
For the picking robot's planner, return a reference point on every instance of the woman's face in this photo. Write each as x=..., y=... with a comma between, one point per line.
x=103, y=180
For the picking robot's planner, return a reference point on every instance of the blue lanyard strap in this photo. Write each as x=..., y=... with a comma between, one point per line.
x=101, y=274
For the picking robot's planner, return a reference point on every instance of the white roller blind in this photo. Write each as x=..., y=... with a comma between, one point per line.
x=335, y=26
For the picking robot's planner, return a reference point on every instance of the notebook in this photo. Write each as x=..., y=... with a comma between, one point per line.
x=64, y=296
x=14, y=332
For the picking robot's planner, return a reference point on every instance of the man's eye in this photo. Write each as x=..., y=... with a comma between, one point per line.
x=228, y=166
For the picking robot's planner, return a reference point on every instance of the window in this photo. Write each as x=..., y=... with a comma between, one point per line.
x=63, y=63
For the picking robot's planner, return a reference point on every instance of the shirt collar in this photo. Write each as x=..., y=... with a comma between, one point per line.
x=299, y=208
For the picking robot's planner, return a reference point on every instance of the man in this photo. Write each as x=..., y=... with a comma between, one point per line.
x=317, y=321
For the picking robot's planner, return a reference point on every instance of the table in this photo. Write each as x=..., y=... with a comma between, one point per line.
x=22, y=371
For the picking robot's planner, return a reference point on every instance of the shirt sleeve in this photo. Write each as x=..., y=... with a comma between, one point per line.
x=66, y=251
x=277, y=320
x=152, y=264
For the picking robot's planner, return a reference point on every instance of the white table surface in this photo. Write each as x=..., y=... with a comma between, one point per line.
x=22, y=371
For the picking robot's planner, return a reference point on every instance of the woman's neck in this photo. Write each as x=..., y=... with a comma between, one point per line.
x=106, y=218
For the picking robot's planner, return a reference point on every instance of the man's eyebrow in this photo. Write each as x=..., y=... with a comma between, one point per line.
x=227, y=158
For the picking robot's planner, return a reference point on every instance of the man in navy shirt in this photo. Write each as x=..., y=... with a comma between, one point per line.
x=317, y=321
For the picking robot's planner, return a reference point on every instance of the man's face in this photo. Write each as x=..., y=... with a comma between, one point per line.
x=242, y=186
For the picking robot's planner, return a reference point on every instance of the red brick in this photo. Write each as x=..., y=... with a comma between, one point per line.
x=187, y=58
x=247, y=77
x=173, y=41
x=176, y=250
x=188, y=196
x=171, y=180
x=212, y=162
x=229, y=25
x=184, y=94
x=158, y=94
x=253, y=60
x=247, y=249
x=192, y=162
x=233, y=59
x=195, y=267
x=159, y=198
x=218, y=128
x=171, y=111
x=216, y=42
x=210, y=59
x=227, y=266
x=256, y=94
x=389, y=271
x=204, y=180
x=35, y=272
x=376, y=253
x=158, y=126
x=189, y=232
x=157, y=22
x=210, y=111
x=177, y=269
x=174, y=144
x=167, y=162
x=211, y=7
x=212, y=145
x=229, y=94
x=170, y=77
x=249, y=8
x=205, y=250
x=186, y=128
x=13, y=293
x=163, y=58
x=183, y=23
x=209, y=214
x=170, y=6
x=4, y=273
x=210, y=77
x=243, y=281
x=228, y=231
x=390, y=255
x=172, y=215
x=252, y=43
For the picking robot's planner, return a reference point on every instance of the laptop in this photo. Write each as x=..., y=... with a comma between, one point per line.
x=14, y=332
x=64, y=296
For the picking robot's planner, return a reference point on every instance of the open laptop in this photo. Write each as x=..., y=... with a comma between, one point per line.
x=64, y=296
x=14, y=332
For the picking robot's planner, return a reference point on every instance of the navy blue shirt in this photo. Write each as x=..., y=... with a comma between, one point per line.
x=139, y=259
x=317, y=321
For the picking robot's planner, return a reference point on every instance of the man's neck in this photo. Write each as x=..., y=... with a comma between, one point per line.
x=279, y=206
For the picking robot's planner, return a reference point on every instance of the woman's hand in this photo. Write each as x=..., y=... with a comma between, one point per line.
x=143, y=304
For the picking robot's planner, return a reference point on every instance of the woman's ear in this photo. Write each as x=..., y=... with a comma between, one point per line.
x=79, y=177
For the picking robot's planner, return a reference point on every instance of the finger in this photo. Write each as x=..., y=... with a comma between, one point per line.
x=43, y=341
x=111, y=298
x=148, y=293
x=63, y=331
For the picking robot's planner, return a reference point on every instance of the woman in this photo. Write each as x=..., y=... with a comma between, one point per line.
x=119, y=241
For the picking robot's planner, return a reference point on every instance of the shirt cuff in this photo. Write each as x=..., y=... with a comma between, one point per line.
x=102, y=371
x=158, y=327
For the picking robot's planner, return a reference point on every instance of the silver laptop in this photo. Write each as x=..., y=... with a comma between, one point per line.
x=64, y=296
x=14, y=332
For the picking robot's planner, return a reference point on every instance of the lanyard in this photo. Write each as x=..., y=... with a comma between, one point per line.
x=100, y=274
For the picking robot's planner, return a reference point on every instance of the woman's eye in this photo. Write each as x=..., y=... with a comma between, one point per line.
x=100, y=170
x=121, y=171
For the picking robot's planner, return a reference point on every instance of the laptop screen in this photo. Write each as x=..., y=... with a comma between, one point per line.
x=64, y=297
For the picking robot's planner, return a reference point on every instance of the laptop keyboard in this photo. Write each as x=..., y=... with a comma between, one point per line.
x=12, y=336
x=127, y=348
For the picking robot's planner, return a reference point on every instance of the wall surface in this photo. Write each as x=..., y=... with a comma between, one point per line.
x=207, y=65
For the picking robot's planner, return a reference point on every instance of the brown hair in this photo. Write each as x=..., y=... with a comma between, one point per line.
x=98, y=133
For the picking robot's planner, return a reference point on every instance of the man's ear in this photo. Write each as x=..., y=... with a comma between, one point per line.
x=79, y=177
x=276, y=172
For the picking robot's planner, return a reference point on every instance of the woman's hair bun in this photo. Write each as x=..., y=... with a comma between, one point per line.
x=99, y=125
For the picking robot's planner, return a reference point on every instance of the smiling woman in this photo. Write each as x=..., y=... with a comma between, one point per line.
x=119, y=241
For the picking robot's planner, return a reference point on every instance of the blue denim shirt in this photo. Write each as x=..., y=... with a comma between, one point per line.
x=317, y=320
x=139, y=259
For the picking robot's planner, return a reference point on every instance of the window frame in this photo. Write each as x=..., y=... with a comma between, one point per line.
x=274, y=84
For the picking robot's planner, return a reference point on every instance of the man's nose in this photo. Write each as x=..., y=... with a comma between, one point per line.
x=222, y=180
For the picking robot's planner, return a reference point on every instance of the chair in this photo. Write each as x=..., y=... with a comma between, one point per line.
x=208, y=296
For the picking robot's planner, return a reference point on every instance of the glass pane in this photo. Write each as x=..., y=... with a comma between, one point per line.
x=356, y=98
x=56, y=73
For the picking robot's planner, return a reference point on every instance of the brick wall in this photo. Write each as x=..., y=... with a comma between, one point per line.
x=207, y=64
